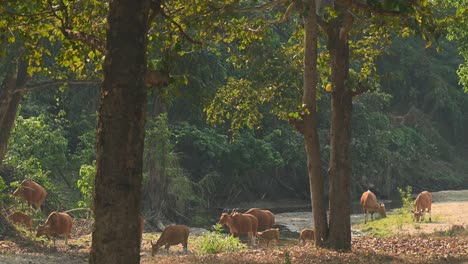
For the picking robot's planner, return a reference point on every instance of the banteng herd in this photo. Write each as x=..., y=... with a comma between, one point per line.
x=255, y=222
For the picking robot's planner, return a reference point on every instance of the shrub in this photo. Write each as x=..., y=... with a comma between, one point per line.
x=407, y=199
x=86, y=184
x=215, y=242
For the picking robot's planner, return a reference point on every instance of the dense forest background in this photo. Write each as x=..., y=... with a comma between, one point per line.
x=409, y=130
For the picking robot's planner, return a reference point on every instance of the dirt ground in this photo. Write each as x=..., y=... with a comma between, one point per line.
x=449, y=208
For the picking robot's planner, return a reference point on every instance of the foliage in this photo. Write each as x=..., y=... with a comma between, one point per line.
x=180, y=184
x=86, y=184
x=381, y=146
x=159, y=152
x=36, y=145
x=4, y=197
x=214, y=161
x=55, y=24
x=215, y=242
x=454, y=20
x=86, y=148
x=407, y=199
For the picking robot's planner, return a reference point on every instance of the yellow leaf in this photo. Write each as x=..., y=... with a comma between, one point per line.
x=428, y=44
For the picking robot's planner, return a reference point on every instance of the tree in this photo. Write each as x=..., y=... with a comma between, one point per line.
x=337, y=29
x=337, y=19
x=41, y=47
x=308, y=125
x=120, y=136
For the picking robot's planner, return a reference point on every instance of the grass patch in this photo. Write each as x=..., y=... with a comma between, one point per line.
x=385, y=227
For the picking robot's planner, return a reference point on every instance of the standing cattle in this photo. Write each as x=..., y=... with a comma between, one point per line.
x=31, y=192
x=240, y=224
x=370, y=205
x=265, y=218
x=269, y=234
x=172, y=235
x=21, y=218
x=423, y=202
x=306, y=234
x=56, y=224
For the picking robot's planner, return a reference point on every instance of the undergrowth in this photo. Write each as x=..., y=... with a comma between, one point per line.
x=216, y=242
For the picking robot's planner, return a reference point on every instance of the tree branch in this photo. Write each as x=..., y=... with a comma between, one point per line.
x=279, y=21
x=85, y=38
x=357, y=5
x=285, y=16
x=181, y=30
x=261, y=7
x=360, y=89
x=35, y=86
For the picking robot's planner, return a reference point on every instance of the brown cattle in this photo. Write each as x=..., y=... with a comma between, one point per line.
x=21, y=218
x=423, y=202
x=269, y=234
x=240, y=224
x=265, y=218
x=370, y=205
x=172, y=235
x=306, y=234
x=31, y=192
x=56, y=224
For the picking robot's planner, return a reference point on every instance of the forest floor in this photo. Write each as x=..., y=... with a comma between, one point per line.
x=435, y=242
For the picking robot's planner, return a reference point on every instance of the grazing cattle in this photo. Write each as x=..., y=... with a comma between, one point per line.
x=240, y=224
x=306, y=234
x=370, y=205
x=269, y=234
x=423, y=202
x=172, y=235
x=31, y=192
x=265, y=218
x=58, y=223
x=21, y=218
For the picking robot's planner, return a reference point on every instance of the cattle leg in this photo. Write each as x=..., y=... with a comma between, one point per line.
x=372, y=216
x=430, y=216
x=185, y=248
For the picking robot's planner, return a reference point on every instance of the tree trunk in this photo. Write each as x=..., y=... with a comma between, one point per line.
x=10, y=99
x=311, y=139
x=120, y=136
x=340, y=160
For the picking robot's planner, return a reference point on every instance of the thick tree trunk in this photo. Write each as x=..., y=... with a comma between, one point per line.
x=120, y=136
x=10, y=99
x=311, y=139
x=340, y=160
